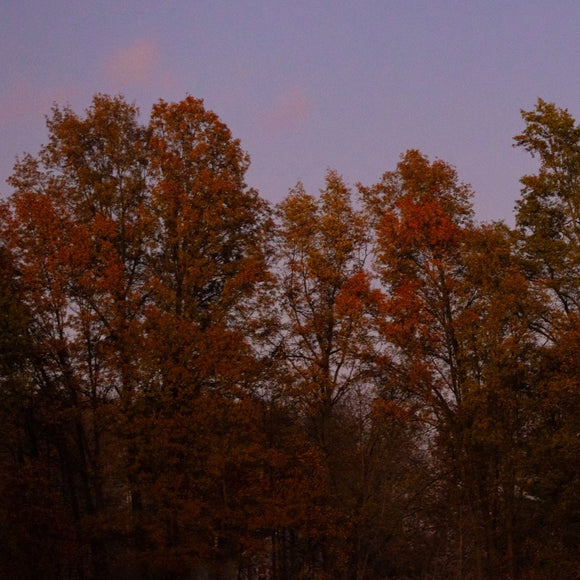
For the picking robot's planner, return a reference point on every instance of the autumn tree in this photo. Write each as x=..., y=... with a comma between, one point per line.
x=501, y=353
x=137, y=252
x=207, y=258
x=323, y=250
x=458, y=314
x=548, y=210
x=548, y=224
x=29, y=494
x=76, y=229
x=330, y=355
x=422, y=214
x=349, y=386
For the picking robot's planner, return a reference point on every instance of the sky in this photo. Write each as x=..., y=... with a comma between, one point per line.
x=306, y=86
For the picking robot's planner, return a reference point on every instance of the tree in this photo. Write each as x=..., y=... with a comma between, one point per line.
x=330, y=355
x=422, y=216
x=76, y=228
x=548, y=213
x=325, y=289
x=548, y=224
x=458, y=313
x=211, y=227
x=137, y=253
x=371, y=386
x=207, y=258
x=500, y=354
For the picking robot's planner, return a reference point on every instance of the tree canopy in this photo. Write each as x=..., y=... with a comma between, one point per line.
x=365, y=383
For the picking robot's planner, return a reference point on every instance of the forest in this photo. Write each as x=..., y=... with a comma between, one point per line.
x=361, y=383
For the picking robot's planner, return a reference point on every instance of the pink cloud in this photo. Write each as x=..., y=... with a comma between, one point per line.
x=288, y=110
x=136, y=64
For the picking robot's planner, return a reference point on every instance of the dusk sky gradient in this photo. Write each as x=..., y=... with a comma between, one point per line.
x=307, y=85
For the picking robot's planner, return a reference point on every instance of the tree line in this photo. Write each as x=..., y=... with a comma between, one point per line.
x=366, y=383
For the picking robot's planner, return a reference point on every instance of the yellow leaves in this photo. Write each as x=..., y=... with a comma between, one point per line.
x=299, y=214
x=322, y=240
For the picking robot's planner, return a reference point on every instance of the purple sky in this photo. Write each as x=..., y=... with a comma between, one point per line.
x=307, y=85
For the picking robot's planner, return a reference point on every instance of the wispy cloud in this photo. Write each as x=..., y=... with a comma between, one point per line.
x=289, y=110
x=139, y=64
